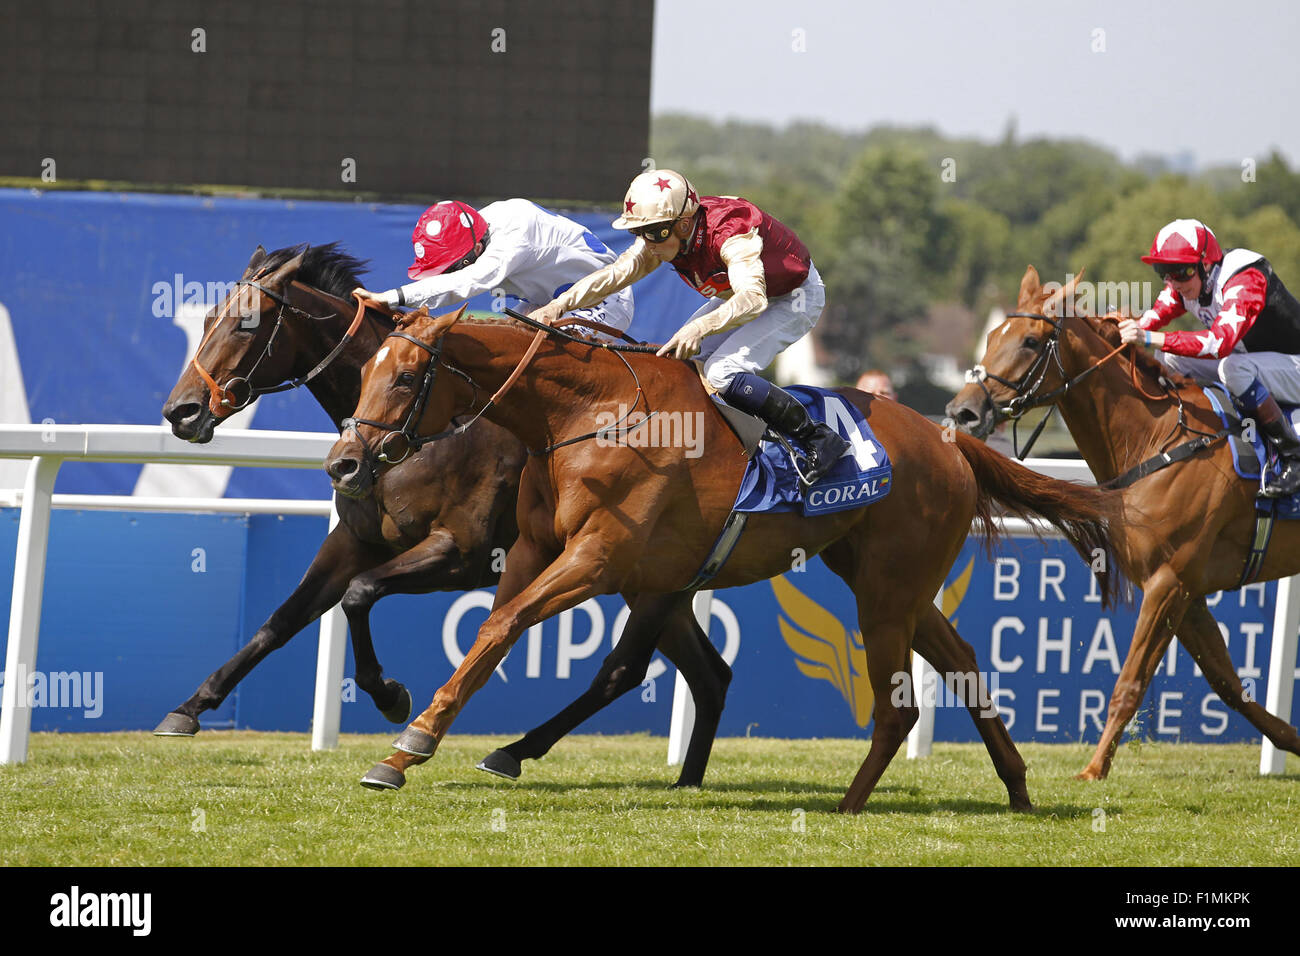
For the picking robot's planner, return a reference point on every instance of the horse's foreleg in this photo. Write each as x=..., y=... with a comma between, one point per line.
x=340, y=557
x=1164, y=603
x=570, y=579
x=684, y=644
x=1199, y=633
x=941, y=645
x=434, y=564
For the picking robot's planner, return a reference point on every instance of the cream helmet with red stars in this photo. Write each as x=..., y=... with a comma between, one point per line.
x=659, y=196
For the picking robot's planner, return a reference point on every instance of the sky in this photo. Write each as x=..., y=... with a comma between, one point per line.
x=1218, y=81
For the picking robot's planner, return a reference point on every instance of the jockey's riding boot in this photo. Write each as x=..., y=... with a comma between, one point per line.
x=1273, y=424
x=785, y=414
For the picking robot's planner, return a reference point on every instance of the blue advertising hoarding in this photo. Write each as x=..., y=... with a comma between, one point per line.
x=142, y=607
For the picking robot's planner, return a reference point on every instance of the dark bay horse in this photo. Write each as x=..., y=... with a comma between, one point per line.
x=433, y=526
x=595, y=519
x=1187, y=528
x=434, y=521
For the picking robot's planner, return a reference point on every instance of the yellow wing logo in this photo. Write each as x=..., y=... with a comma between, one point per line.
x=955, y=592
x=826, y=650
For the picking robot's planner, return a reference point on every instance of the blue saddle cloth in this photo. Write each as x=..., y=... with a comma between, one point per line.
x=1248, y=466
x=863, y=475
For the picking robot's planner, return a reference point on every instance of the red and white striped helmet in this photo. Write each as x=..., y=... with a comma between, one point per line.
x=1184, y=240
x=444, y=237
x=660, y=195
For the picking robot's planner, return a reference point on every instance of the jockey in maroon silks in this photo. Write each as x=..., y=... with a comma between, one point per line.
x=1251, y=341
x=764, y=294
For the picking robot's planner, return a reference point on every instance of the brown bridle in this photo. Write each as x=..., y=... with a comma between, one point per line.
x=222, y=399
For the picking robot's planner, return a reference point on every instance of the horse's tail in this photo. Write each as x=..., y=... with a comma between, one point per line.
x=1082, y=513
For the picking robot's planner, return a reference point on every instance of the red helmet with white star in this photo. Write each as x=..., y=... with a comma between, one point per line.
x=1184, y=240
x=444, y=238
x=658, y=196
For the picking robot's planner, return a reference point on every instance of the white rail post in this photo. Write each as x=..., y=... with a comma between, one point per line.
x=1281, y=668
x=921, y=737
x=330, y=654
x=25, y=608
x=683, y=721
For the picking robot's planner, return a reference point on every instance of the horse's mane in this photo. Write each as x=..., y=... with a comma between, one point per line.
x=329, y=267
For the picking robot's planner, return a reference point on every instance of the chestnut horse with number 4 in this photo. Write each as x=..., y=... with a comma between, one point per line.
x=1188, y=526
x=600, y=516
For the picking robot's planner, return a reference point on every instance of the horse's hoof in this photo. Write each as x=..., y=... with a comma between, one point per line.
x=400, y=712
x=383, y=777
x=177, y=725
x=502, y=764
x=416, y=743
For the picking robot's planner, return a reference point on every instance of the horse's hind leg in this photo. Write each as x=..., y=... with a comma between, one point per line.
x=683, y=643
x=1200, y=635
x=434, y=564
x=941, y=645
x=340, y=557
x=888, y=639
x=1164, y=604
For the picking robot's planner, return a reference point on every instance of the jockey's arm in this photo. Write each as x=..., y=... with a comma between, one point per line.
x=1168, y=307
x=484, y=274
x=634, y=264
x=1244, y=296
x=743, y=257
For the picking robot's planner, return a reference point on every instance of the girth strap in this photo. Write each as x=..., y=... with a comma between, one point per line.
x=722, y=548
x=1258, y=541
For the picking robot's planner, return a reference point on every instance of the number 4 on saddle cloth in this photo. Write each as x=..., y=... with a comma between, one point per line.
x=1253, y=467
x=771, y=482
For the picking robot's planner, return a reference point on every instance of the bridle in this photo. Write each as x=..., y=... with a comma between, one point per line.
x=228, y=396
x=399, y=443
x=1025, y=391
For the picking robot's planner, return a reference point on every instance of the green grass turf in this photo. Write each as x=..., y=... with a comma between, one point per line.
x=236, y=798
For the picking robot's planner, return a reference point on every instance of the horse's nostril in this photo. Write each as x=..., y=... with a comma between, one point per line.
x=340, y=469
x=182, y=413
x=967, y=416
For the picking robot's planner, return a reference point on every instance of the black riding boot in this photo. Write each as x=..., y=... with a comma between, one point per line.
x=1274, y=425
x=785, y=414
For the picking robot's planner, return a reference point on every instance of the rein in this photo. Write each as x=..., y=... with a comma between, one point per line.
x=225, y=396
x=399, y=443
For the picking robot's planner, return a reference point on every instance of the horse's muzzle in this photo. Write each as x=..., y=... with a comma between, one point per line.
x=973, y=414
x=349, y=474
x=191, y=421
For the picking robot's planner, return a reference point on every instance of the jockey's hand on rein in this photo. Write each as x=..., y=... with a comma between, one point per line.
x=1130, y=332
x=685, y=342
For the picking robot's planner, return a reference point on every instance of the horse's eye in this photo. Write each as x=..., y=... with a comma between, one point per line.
x=1031, y=342
x=406, y=379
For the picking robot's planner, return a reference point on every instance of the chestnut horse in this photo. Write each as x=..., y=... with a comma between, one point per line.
x=1188, y=527
x=432, y=523
x=434, y=526
x=600, y=516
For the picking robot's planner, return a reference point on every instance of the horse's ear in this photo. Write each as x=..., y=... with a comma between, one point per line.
x=1029, y=287
x=284, y=275
x=443, y=322
x=258, y=257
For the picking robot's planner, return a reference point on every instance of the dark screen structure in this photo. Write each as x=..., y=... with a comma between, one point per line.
x=438, y=97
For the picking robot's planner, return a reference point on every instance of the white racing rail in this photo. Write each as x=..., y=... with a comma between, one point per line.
x=48, y=446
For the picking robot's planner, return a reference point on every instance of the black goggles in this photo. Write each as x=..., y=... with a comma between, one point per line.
x=1175, y=271
x=657, y=233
